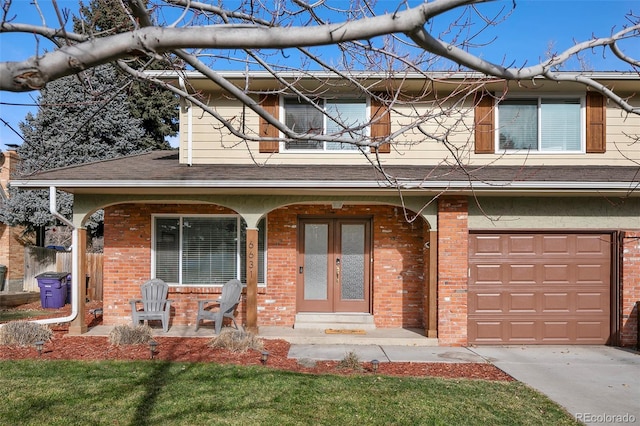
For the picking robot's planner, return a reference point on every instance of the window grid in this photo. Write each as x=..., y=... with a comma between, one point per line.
x=543, y=124
x=210, y=260
x=304, y=118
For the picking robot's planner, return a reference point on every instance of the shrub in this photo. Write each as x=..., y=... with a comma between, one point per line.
x=236, y=341
x=24, y=333
x=129, y=335
x=350, y=361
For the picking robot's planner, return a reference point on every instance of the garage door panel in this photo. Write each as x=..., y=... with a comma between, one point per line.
x=521, y=331
x=525, y=274
x=556, y=244
x=591, y=332
x=487, y=245
x=592, y=302
x=556, y=273
x=594, y=245
x=556, y=302
x=488, y=302
x=488, y=274
x=519, y=245
x=488, y=331
x=592, y=274
x=539, y=288
x=522, y=302
x=555, y=331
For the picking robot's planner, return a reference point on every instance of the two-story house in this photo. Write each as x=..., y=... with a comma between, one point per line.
x=508, y=213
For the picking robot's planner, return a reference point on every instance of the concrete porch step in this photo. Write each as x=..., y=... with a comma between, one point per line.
x=335, y=321
x=379, y=336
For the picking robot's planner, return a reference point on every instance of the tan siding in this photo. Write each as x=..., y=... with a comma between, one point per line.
x=212, y=143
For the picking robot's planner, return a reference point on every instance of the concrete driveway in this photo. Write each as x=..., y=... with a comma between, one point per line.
x=596, y=384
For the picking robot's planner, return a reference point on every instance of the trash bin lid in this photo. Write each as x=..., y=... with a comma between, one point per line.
x=52, y=275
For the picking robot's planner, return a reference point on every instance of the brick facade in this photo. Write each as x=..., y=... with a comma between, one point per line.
x=398, y=273
x=453, y=241
x=630, y=288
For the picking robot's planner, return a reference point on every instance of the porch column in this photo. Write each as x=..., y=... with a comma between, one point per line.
x=252, y=280
x=79, y=325
x=432, y=325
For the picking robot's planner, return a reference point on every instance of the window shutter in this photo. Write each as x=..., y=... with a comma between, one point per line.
x=596, y=123
x=270, y=103
x=380, y=125
x=484, y=123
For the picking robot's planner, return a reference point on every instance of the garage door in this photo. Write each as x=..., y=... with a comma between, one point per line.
x=541, y=288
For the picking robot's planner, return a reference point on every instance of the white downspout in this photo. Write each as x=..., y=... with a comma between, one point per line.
x=74, y=263
x=189, y=109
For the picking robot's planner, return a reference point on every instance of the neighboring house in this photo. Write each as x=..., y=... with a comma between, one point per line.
x=535, y=241
x=12, y=239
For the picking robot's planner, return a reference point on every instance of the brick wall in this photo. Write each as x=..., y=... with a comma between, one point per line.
x=127, y=262
x=453, y=241
x=630, y=288
x=398, y=271
x=11, y=243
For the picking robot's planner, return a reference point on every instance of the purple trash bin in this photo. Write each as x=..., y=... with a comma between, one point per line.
x=53, y=289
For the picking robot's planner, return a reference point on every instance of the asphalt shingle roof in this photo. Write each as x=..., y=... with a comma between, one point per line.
x=163, y=166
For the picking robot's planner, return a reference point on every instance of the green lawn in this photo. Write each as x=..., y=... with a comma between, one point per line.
x=37, y=392
x=16, y=314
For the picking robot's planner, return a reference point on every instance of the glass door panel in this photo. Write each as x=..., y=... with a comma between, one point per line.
x=353, y=254
x=316, y=256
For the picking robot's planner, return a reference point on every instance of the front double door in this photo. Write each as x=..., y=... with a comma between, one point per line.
x=334, y=265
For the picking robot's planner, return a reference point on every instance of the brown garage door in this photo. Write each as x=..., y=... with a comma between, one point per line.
x=539, y=288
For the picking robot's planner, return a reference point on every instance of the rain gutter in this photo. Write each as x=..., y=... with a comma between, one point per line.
x=75, y=303
x=189, y=109
x=505, y=186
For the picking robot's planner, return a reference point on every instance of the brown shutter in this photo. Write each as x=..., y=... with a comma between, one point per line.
x=380, y=125
x=484, y=123
x=270, y=103
x=596, y=123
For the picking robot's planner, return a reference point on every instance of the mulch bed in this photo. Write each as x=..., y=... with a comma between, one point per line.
x=197, y=349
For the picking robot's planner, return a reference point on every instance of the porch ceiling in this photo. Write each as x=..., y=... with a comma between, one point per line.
x=160, y=172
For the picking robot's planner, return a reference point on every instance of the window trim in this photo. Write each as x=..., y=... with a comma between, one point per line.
x=180, y=217
x=324, y=150
x=540, y=97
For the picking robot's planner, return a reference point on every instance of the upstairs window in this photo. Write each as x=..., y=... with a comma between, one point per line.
x=331, y=117
x=541, y=124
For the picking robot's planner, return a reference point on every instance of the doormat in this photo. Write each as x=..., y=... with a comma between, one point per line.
x=348, y=331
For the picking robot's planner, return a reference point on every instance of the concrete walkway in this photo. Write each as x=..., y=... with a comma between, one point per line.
x=385, y=353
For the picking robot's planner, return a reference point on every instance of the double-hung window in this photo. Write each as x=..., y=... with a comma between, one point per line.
x=340, y=117
x=203, y=249
x=542, y=124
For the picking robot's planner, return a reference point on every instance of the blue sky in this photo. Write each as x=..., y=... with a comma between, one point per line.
x=523, y=38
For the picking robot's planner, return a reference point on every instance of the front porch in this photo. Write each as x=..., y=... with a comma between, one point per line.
x=379, y=336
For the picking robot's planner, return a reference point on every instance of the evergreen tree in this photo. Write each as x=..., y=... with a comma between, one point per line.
x=155, y=107
x=101, y=114
x=80, y=119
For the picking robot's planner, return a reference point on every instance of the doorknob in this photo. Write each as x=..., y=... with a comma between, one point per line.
x=337, y=268
x=301, y=270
